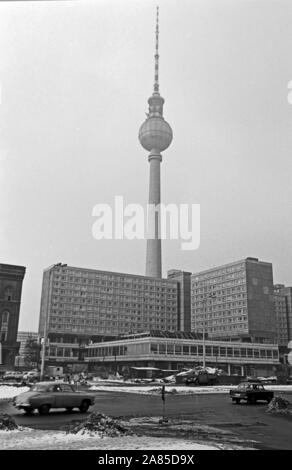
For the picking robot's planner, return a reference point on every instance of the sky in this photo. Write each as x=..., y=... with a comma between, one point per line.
x=75, y=77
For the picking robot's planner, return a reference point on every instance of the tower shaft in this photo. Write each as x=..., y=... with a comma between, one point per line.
x=153, y=251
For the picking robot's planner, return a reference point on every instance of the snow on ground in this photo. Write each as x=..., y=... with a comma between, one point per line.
x=7, y=392
x=180, y=389
x=49, y=440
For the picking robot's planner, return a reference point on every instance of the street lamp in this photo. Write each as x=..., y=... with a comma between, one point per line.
x=204, y=302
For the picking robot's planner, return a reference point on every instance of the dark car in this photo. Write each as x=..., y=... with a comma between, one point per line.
x=251, y=392
x=46, y=395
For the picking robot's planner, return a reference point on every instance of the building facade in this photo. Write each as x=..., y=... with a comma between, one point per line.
x=281, y=314
x=23, y=337
x=235, y=301
x=286, y=292
x=183, y=279
x=11, y=278
x=176, y=351
x=82, y=305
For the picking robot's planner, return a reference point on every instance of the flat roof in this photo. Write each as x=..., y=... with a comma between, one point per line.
x=112, y=273
x=233, y=263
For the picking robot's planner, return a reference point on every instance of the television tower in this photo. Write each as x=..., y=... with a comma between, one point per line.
x=155, y=135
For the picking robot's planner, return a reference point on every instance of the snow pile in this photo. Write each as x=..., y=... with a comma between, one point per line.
x=149, y=390
x=7, y=423
x=38, y=439
x=7, y=392
x=279, y=405
x=100, y=424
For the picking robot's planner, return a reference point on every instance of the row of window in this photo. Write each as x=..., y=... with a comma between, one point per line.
x=221, y=351
x=116, y=282
x=238, y=326
x=185, y=350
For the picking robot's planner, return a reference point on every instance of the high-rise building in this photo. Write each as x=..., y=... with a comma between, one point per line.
x=285, y=294
x=235, y=301
x=155, y=136
x=281, y=315
x=11, y=278
x=183, y=279
x=79, y=305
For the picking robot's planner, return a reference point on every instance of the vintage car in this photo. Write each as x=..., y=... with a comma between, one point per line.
x=46, y=395
x=251, y=392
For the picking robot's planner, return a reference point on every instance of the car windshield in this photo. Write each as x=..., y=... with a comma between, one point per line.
x=242, y=386
x=39, y=388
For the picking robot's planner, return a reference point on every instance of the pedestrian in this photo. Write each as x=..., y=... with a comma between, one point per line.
x=75, y=379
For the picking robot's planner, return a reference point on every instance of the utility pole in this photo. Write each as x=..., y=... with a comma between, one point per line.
x=46, y=325
x=204, y=302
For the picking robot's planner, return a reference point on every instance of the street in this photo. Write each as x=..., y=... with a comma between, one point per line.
x=247, y=422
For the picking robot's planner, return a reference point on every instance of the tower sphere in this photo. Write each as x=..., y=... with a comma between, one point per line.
x=155, y=133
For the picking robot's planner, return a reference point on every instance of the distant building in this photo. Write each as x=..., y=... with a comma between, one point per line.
x=23, y=337
x=11, y=278
x=82, y=305
x=235, y=301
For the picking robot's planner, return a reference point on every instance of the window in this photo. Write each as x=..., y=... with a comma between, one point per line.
x=8, y=293
x=249, y=352
x=229, y=352
x=66, y=388
x=222, y=351
x=194, y=350
x=186, y=350
x=4, y=319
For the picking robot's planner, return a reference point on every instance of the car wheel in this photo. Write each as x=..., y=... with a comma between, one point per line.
x=84, y=406
x=28, y=411
x=44, y=409
x=237, y=401
x=69, y=409
x=252, y=401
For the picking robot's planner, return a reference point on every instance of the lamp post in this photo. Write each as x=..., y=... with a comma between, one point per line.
x=204, y=302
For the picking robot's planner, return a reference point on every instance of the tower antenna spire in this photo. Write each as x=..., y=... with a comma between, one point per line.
x=156, y=67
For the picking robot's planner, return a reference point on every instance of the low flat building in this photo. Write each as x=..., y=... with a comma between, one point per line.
x=169, y=350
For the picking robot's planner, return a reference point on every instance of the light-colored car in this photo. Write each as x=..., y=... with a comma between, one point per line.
x=46, y=395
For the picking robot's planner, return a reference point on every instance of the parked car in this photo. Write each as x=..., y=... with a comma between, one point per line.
x=46, y=395
x=289, y=380
x=12, y=375
x=268, y=380
x=251, y=392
